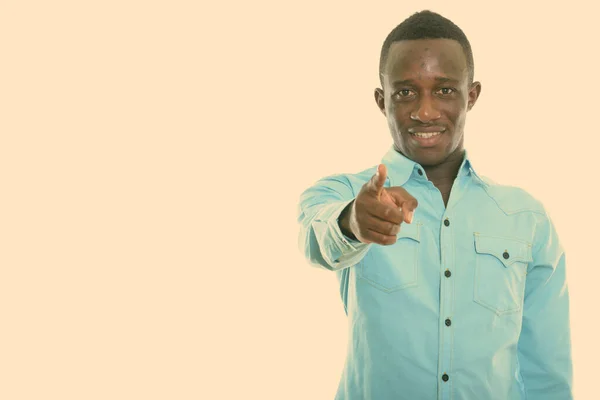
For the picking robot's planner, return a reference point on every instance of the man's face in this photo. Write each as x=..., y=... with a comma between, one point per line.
x=425, y=97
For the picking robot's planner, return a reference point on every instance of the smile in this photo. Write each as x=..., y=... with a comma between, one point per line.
x=426, y=135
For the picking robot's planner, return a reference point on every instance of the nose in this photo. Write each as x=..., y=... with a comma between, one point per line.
x=425, y=111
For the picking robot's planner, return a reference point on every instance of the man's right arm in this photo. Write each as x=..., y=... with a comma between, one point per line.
x=323, y=241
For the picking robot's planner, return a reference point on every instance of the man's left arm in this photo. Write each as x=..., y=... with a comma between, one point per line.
x=544, y=348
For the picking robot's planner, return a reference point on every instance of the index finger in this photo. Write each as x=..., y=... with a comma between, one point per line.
x=378, y=179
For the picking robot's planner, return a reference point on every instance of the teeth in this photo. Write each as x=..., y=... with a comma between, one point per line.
x=426, y=135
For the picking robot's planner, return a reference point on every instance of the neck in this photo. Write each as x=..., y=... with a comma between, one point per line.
x=445, y=173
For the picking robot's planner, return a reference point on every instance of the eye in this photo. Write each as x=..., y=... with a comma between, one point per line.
x=402, y=93
x=446, y=91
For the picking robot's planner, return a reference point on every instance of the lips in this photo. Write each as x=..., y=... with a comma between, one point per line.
x=428, y=136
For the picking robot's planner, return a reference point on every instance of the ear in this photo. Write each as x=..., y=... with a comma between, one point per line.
x=380, y=100
x=474, y=93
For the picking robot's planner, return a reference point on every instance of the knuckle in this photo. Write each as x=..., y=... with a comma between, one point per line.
x=391, y=228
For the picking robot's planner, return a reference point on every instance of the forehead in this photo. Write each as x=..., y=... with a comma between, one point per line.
x=423, y=58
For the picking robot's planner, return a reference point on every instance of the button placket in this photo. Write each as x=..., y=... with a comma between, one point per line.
x=446, y=299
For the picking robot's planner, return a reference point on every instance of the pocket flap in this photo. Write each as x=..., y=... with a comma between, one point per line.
x=411, y=231
x=507, y=250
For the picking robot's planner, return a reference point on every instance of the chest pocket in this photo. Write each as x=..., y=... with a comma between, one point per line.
x=500, y=272
x=395, y=267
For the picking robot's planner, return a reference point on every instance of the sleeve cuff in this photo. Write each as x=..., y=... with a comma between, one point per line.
x=339, y=250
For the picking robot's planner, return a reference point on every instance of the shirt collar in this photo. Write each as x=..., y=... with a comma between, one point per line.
x=401, y=168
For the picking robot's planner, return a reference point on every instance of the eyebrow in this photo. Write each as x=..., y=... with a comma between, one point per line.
x=440, y=79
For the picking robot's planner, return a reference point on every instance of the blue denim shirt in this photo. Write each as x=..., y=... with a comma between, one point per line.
x=470, y=303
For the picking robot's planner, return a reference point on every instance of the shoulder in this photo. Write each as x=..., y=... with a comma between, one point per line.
x=350, y=180
x=513, y=199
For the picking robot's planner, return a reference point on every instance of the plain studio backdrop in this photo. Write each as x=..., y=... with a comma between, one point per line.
x=152, y=154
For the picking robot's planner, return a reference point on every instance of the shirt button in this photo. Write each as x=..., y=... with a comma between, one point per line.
x=445, y=377
x=448, y=322
x=505, y=255
x=447, y=273
x=420, y=172
x=447, y=222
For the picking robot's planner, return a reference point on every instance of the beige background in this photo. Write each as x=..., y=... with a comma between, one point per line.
x=151, y=158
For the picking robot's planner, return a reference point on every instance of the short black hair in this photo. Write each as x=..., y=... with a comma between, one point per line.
x=427, y=24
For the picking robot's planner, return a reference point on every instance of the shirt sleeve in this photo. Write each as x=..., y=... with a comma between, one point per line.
x=320, y=238
x=544, y=348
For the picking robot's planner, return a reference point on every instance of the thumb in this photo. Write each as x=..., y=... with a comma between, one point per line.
x=406, y=202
